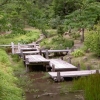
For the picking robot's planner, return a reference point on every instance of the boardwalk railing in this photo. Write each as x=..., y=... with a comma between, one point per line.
x=17, y=48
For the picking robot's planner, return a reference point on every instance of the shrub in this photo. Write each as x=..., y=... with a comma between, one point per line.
x=75, y=35
x=78, y=53
x=92, y=41
x=60, y=30
x=57, y=43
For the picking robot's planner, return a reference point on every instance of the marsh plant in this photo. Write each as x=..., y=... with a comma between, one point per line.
x=90, y=85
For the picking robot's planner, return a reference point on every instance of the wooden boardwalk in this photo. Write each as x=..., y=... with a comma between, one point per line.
x=60, y=65
x=44, y=51
x=58, y=76
x=16, y=49
x=36, y=60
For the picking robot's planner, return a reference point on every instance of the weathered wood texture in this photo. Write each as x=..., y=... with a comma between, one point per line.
x=36, y=59
x=16, y=49
x=60, y=65
x=74, y=73
x=28, y=47
x=44, y=51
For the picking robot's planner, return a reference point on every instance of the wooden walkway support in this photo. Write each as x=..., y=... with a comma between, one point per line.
x=36, y=60
x=44, y=52
x=16, y=49
x=60, y=65
x=73, y=74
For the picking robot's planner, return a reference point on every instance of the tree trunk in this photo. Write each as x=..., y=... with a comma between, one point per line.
x=82, y=34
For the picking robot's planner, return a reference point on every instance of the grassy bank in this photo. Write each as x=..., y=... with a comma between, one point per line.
x=8, y=88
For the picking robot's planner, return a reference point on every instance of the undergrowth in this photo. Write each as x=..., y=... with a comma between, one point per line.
x=57, y=43
x=28, y=37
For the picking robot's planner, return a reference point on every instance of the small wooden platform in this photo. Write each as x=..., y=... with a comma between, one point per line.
x=35, y=59
x=61, y=75
x=60, y=65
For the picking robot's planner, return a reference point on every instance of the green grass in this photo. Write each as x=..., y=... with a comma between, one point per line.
x=28, y=37
x=90, y=85
x=8, y=87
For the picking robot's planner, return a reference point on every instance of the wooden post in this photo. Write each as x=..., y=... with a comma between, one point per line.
x=72, y=49
x=22, y=55
x=97, y=71
x=69, y=60
x=88, y=68
x=61, y=58
x=58, y=76
x=53, y=68
x=47, y=54
x=12, y=46
x=27, y=68
x=34, y=45
x=67, y=48
x=69, y=51
x=19, y=48
x=40, y=51
x=78, y=66
x=82, y=35
x=46, y=67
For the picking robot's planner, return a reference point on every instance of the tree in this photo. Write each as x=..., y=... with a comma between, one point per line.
x=83, y=18
x=65, y=7
x=2, y=2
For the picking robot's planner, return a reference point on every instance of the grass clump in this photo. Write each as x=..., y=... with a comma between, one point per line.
x=78, y=53
x=90, y=85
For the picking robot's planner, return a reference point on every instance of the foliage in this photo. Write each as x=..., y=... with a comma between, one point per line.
x=57, y=43
x=8, y=88
x=78, y=53
x=92, y=41
x=54, y=22
x=75, y=35
x=89, y=10
x=90, y=85
x=28, y=37
x=64, y=7
x=60, y=30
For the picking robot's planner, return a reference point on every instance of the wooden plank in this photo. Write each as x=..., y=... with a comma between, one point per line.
x=30, y=52
x=73, y=73
x=28, y=49
x=52, y=51
x=36, y=59
x=44, y=51
x=62, y=65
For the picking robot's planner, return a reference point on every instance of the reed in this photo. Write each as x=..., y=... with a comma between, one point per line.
x=90, y=85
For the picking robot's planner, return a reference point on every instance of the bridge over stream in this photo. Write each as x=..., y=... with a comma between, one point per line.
x=58, y=69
